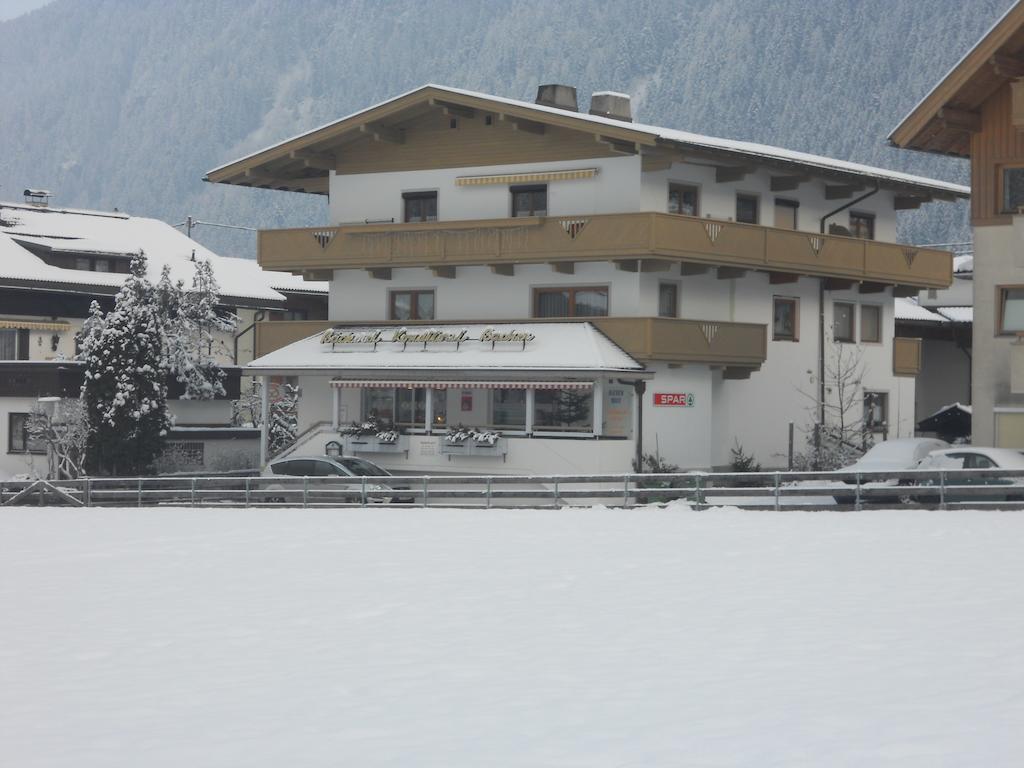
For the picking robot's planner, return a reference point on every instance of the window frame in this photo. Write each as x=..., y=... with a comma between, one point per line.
x=414, y=294
x=1000, y=305
x=680, y=185
x=426, y=194
x=864, y=216
x=757, y=207
x=572, y=289
x=25, y=439
x=860, y=325
x=674, y=285
x=795, y=301
x=852, y=339
x=515, y=189
x=1001, y=183
x=870, y=426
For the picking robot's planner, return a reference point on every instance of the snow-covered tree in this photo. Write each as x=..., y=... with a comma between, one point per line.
x=284, y=419
x=247, y=410
x=191, y=323
x=125, y=389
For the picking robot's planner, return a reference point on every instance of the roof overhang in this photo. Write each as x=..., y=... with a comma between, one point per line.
x=944, y=120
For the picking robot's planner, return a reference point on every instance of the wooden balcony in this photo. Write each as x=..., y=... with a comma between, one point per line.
x=738, y=347
x=906, y=356
x=654, y=240
x=63, y=378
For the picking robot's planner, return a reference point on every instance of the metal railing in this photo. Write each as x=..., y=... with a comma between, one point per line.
x=756, y=490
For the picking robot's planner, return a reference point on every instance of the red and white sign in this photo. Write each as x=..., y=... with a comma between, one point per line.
x=678, y=399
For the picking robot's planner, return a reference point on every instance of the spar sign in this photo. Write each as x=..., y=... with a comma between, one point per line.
x=678, y=399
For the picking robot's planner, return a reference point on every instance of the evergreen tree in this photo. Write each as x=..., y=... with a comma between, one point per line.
x=125, y=390
x=284, y=420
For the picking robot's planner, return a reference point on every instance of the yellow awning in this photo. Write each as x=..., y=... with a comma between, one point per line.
x=32, y=325
x=527, y=178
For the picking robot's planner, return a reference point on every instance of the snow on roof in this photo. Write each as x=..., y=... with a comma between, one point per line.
x=951, y=407
x=909, y=309
x=963, y=264
x=749, y=148
x=115, y=233
x=957, y=314
x=557, y=347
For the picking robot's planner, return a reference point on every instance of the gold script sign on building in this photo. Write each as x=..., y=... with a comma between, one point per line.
x=404, y=336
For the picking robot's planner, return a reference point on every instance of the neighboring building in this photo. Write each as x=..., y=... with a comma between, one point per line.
x=54, y=262
x=977, y=112
x=730, y=274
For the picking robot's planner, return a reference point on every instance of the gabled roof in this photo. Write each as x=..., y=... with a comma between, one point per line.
x=944, y=119
x=28, y=228
x=302, y=163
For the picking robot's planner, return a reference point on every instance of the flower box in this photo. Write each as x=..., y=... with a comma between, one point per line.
x=472, y=447
x=374, y=444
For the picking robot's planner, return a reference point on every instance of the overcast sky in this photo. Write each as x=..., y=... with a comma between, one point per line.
x=11, y=8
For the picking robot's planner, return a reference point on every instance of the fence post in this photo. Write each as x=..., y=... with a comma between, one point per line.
x=362, y=492
x=139, y=494
x=192, y=492
x=699, y=495
x=305, y=492
x=778, y=483
x=248, y=493
x=857, y=502
x=488, y=492
x=625, y=491
x=942, y=489
x=554, y=494
x=426, y=490
x=87, y=492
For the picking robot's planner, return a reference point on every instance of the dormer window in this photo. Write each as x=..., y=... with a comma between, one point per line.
x=530, y=200
x=100, y=264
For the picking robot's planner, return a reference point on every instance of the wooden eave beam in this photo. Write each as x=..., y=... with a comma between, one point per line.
x=446, y=271
x=523, y=125
x=320, y=275
x=453, y=110
x=871, y=287
x=841, y=191
x=564, y=267
x=729, y=273
x=905, y=291
x=782, y=278
x=910, y=202
x=689, y=269
x=787, y=183
x=1009, y=67
x=736, y=373
x=618, y=146
x=727, y=173
x=380, y=273
x=505, y=270
x=627, y=265
x=655, y=161
x=837, y=284
x=324, y=161
x=960, y=119
x=655, y=265
x=383, y=133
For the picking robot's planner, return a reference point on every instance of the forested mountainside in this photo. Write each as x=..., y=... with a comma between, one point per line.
x=126, y=103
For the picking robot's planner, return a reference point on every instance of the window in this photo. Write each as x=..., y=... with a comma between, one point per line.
x=684, y=199
x=862, y=225
x=14, y=344
x=570, y=302
x=419, y=206
x=508, y=409
x=562, y=410
x=412, y=305
x=18, y=438
x=842, y=321
x=1011, y=309
x=785, y=213
x=295, y=314
x=101, y=265
x=876, y=411
x=530, y=201
x=784, y=320
x=1013, y=189
x=870, y=323
x=83, y=263
x=668, y=300
x=746, y=209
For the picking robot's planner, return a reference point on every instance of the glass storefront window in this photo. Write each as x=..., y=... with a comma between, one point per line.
x=563, y=410
x=379, y=403
x=508, y=409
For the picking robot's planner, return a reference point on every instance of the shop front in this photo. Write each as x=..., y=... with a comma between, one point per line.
x=496, y=399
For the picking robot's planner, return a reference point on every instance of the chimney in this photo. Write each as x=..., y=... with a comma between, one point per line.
x=611, y=104
x=558, y=96
x=38, y=197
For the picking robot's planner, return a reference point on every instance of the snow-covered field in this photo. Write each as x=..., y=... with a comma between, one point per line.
x=182, y=637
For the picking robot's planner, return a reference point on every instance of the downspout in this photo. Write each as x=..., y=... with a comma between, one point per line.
x=821, y=319
x=639, y=388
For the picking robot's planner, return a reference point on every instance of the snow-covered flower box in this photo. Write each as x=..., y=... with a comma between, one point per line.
x=382, y=442
x=466, y=441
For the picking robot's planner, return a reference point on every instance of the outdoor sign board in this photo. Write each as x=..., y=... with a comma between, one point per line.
x=677, y=399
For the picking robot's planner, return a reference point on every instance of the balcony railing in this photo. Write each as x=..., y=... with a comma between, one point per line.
x=906, y=356
x=739, y=347
x=619, y=236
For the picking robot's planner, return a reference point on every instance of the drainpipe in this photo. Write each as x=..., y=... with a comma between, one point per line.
x=821, y=319
x=639, y=388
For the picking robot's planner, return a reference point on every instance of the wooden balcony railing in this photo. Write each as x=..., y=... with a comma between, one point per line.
x=739, y=347
x=654, y=236
x=906, y=356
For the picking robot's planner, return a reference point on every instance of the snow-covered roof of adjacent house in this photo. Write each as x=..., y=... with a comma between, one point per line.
x=562, y=348
x=99, y=233
x=909, y=309
x=963, y=264
x=234, y=171
x=957, y=314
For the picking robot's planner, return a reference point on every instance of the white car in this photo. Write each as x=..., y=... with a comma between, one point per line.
x=899, y=455
x=347, y=469
x=978, y=457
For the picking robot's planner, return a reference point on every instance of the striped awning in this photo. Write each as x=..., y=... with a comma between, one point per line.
x=527, y=178
x=420, y=384
x=33, y=325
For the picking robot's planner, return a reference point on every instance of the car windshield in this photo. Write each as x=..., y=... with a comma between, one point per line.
x=362, y=468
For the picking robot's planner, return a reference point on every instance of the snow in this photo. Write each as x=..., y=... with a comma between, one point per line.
x=747, y=148
x=909, y=309
x=963, y=264
x=594, y=637
x=957, y=314
x=572, y=347
x=102, y=233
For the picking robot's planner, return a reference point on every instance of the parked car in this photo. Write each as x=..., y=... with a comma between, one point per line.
x=347, y=469
x=976, y=457
x=897, y=455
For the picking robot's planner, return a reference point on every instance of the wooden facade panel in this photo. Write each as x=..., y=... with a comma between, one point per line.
x=429, y=142
x=998, y=143
x=906, y=356
x=653, y=236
